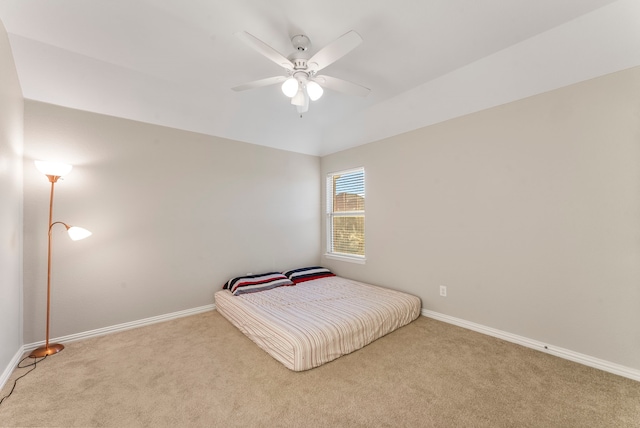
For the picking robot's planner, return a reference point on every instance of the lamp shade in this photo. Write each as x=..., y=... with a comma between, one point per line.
x=78, y=233
x=314, y=90
x=290, y=87
x=53, y=168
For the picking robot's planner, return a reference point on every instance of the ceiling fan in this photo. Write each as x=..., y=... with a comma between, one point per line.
x=302, y=83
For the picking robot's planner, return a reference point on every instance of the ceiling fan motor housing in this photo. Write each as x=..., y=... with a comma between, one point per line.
x=299, y=63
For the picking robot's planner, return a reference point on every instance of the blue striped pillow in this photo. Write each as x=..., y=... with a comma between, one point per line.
x=253, y=283
x=308, y=274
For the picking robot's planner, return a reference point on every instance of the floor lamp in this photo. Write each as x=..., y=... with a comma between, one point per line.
x=54, y=171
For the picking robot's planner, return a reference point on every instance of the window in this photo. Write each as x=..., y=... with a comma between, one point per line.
x=345, y=214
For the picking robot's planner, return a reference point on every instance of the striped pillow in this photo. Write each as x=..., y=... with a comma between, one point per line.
x=253, y=283
x=308, y=274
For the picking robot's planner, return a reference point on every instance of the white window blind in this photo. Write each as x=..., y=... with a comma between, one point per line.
x=345, y=213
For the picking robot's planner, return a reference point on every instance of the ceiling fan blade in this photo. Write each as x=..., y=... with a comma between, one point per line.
x=265, y=49
x=334, y=51
x=260, y=83
x=343, y=86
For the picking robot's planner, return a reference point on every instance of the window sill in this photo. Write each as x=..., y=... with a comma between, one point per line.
x=350, y=259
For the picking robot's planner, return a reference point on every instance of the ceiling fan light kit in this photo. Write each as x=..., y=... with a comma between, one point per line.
x=302, y=82
x=299, y=99
x=314, y=90
x=290, y=87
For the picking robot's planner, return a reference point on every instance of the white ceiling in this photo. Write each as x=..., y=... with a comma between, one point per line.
x=172, y=62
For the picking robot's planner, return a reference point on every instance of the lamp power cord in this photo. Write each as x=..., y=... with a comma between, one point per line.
x=34, y=365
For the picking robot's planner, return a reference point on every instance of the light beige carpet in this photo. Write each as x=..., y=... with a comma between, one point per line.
x=200, y=371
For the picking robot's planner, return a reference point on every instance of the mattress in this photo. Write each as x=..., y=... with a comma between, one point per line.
x=317, y=321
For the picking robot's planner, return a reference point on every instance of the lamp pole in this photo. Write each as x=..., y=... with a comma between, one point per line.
x=57, y=347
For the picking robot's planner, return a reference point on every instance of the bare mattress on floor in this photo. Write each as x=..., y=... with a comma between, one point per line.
x=317, y=321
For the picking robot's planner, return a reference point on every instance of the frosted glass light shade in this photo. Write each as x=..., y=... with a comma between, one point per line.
x=78, y=233
x=53, y=168
x=299, y=98
x=302, y=104
x=290, y=87
x=314, y=90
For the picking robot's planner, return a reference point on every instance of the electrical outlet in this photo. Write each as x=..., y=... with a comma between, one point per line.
x=443, y=290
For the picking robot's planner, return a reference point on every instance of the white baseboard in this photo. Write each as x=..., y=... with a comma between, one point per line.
x=540, y=346
x=11, y=366
x=509, y=337
x=122, y=327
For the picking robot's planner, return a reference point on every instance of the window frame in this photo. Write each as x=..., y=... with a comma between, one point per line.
x=330, y=215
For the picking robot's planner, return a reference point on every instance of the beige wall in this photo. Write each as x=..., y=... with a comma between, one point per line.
x=173, y=215
x=529, y=213
x=11, y=125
